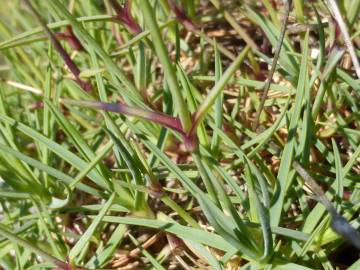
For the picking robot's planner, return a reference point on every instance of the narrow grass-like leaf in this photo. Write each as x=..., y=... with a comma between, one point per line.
x=287, y=155
x=214, y=263
x=92, y=164
x=190, y=93
x=261, y=209
x=133, y=168
x=225, y=227
x=101, y=256
x=218, y=88
x=152, y=260
x=203, y=237
x=218, y=103
x=80, y=244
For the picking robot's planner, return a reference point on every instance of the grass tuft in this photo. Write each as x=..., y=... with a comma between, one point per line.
x=127, y=136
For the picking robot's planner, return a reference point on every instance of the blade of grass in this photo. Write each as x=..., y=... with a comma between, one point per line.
x=152, y=260
x=80, y=244
x=101, y=257
x=218, y=88
x=184, y=232
x=139, y=199
x=261, y=209
x=339, y=176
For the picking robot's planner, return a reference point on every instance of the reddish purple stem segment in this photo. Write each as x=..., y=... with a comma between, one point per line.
x=70, y=37
x=123, y=14
x=156, y=117
x=182, y=17
x=67, y=59
x=190, y=139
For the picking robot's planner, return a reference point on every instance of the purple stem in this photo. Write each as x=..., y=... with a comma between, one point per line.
x=123, y=15
x=69, y=62
x=156, y=117
x=181, y=16
x=73, y=41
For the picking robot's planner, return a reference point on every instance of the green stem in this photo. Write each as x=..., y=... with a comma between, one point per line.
x=170, y=75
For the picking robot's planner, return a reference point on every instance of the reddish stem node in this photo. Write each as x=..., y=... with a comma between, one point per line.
x=123, y=15
x=182, y=17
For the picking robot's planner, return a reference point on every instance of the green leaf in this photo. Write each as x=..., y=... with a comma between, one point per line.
x=183, y=232
x=219, y=87
x=85, y=238
x=103, y=255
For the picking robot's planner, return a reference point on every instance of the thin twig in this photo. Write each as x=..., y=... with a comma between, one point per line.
x=273, y=65
x=340, y=21
x=338, y=223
